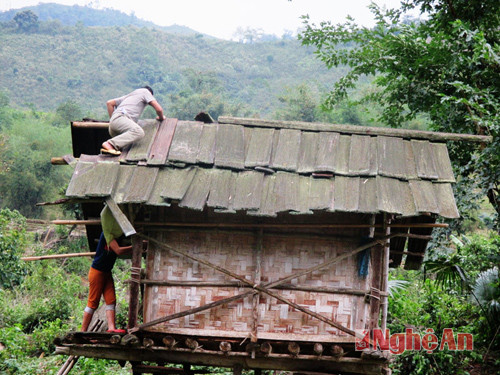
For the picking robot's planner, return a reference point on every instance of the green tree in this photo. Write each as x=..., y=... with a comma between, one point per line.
x=26, y=21
x=12, y=241
x=446, y=67
x=67, y=112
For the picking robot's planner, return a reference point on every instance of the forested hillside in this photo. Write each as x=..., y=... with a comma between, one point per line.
x=89, y=65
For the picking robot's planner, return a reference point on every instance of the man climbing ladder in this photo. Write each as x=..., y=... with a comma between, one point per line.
x=124, y=112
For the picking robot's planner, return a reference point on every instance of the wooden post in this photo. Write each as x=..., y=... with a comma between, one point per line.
x=385, y=275
x=376, y=264
x=133, y=308
x=257, y=280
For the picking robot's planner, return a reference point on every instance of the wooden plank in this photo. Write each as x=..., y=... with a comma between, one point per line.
x=134, y=286
x=445, y=200
x=155, y=198
x=391, y=155
x=185, y=144
x=411, y=168
x=222, y=189
x=308, y=151
x=424, y=159
x=79, y=180
x=122, y=220
x=141, y=184
x=123, y=180
x=162, y=142
x=321, y=193
x=102, y=181
x=327, y=152
x=197, y=192
x=363, y=156
x=387, y=191
x=287, y=152
x=424, y=196
x=139, y=150
x=347, y=191
x=342, y=155
x=442, y=162
x=179, y=180
x=268, y=200
x=259, y=148
x=368, y=195
x=355, y=129
x=230, y=147
x=248, y=190
x=405, y=199
x=303, y=197
x=206, y=151
x=286, y=191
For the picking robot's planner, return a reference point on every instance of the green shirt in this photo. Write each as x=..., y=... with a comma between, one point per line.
x=110, y=226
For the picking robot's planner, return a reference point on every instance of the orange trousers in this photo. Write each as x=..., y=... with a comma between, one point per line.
x=101, y=283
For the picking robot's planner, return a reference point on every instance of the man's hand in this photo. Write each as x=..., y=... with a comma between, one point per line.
x=160, y=119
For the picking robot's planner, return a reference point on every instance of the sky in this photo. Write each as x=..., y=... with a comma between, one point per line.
x=221, y=18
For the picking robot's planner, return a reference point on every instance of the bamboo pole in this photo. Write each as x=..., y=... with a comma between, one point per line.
x=354, y=129
x=257, y=280
x=58, y=256
x=257, y=225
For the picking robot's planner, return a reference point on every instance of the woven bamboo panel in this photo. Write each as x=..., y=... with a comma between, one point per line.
x=281, y=257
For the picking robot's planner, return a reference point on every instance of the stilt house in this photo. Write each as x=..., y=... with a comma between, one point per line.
x=268, y=243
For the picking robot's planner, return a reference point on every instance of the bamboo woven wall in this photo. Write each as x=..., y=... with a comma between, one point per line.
x=281, y=256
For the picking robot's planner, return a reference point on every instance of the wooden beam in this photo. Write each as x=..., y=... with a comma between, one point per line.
x=90, y=124
x=355, y=129
x=303, y=362
x=257, y=225
x=122, y=220
x=134, y=286
x=385, y=274
x=236, y=284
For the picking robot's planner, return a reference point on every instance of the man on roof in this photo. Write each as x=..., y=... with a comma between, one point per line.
x=124, y=112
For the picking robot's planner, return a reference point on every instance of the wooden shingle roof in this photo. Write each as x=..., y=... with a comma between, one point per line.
x=267, y=169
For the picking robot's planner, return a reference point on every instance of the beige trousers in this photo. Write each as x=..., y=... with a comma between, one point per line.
x=124, y=131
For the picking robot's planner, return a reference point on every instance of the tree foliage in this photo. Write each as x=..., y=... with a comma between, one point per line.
x=446, y=67
x=26, y=21
x=12, y=241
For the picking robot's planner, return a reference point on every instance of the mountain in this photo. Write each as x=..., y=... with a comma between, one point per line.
x=71, y=15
